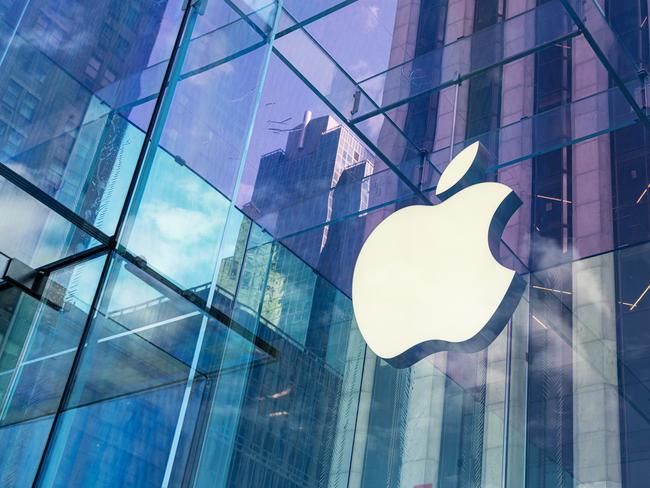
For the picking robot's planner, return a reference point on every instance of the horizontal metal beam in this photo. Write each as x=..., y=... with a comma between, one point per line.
x=45, y=198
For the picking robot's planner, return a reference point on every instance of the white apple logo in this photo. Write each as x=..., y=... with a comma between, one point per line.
x=426, y=278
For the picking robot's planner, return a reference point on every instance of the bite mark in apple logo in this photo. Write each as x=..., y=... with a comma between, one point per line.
x=427, y=280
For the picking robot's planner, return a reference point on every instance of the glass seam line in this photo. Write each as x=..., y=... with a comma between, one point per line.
x=15, y=375
x=41, y=470
x=451, y=43
x=245, y=18
x=314, y=18
x=106, y=244
x=231, y=210
x=356, y=130
x=158, y=119
x=14, y=32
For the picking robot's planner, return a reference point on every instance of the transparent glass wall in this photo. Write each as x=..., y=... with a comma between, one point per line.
x=185, y=186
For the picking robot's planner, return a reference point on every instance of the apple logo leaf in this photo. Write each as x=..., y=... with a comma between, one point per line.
x=466, y=169
x=427, y=278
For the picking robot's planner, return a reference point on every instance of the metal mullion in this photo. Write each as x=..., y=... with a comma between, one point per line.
x=158, y=119
x=200, y=303
x=64, y=262
x=73, y=369
x=73, y=259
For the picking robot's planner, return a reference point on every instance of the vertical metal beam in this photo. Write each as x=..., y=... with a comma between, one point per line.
x=215, y=274
x=41, y=472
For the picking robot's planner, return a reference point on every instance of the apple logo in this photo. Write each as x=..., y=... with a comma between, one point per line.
x=427, y=279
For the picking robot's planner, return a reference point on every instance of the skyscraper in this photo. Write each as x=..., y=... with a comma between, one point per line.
x=320, y=175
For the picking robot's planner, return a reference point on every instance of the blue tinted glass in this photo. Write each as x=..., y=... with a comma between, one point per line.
x=77, y=84
x=39, y=339
x=33, y=233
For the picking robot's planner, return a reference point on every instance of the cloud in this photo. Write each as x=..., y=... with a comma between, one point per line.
x=180, y=242
x=360, y=70
x=372, y=18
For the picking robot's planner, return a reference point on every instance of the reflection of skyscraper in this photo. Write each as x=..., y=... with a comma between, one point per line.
x=319, y=175
x=55, y=67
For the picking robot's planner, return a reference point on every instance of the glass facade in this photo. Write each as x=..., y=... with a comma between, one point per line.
x=185, y=186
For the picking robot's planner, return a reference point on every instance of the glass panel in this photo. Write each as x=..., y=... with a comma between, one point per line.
x=305, y=168
x=150, y=336
x=33, y=233
x=222, y=350
x=19, y=463
x=78, y=85
x=38, y=341
x=218, y=86
x=182, y=202
x=469, y=55
x=179, y=224
x=258, y=410
x=40, y=338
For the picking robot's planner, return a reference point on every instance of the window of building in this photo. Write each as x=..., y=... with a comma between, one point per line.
x=14, y=141
x=28, y=106
x=109, y=76
x=11, y=95
x=121, y=46
x=131, y=18
x=92, y=68
x=106, y=37
x=39, y=68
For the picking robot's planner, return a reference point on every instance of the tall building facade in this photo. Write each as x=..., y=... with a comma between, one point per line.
x=185, y=187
